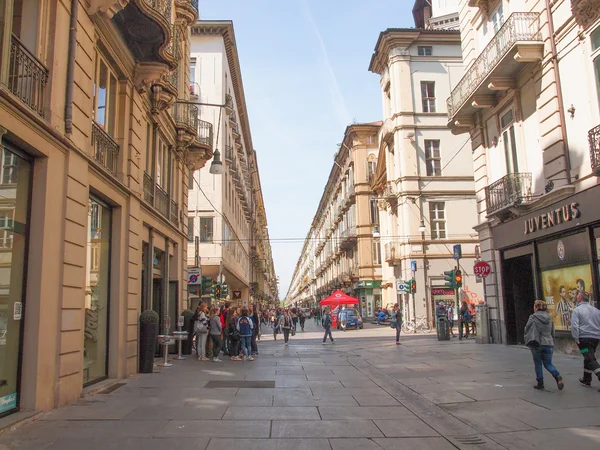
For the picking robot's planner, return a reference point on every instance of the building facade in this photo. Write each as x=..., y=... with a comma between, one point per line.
x=339, y=251
x=96, y=148
x=436, y=14
x=424, y=177
x=226, y=211
x=532, y=120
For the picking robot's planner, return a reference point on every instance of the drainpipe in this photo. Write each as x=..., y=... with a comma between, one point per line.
x=561, y=105
x=71, y=68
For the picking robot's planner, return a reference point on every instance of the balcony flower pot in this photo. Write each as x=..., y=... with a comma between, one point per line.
x=188, y=325
x=148, y=337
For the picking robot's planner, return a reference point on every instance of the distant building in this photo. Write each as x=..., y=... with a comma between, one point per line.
x=424, y=178
x=226, y=212
x=339, y=251
x=436, y=14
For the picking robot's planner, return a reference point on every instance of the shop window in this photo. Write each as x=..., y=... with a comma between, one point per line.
x=437, y=219
x=432, y=158
x=97, y=297
x=10, y=167
x=13, y=247
x=425, y=50
x=206, y=229
x=105, y=97
x=428, y=96
x=190, y=229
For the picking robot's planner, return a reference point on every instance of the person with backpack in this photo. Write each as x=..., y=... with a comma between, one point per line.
x=254, y=314
x=233, y=335
x=327, y=325
x=294, y=315
x=465, y=320
x=215, y=332
x=285, y=323
x=201, y=330
x=245, y=326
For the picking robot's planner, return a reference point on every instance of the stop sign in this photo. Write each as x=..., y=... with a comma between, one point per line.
x=482, y=269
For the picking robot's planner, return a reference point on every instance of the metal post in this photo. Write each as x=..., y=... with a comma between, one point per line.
x=414, y=307
x=458, y=305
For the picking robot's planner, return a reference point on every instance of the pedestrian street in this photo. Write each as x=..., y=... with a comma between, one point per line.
x=363, y=392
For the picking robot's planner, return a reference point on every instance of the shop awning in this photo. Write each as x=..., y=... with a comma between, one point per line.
x=339, y=298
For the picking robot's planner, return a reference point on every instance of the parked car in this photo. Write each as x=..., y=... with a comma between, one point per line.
x=354, y=319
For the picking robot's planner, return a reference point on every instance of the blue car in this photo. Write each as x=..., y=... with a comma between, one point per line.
x=354, y=320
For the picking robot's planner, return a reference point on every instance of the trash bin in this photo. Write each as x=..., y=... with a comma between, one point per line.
x=443, y=330
x=483, y=328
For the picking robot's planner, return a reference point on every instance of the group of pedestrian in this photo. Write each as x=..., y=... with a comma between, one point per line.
x=233, y=331
x=585, y=330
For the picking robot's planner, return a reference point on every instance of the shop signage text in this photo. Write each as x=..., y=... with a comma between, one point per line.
x=8, y=402
x=442, y=291
x=557, y=216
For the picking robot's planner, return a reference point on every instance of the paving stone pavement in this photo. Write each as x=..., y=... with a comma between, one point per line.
x=363, y=392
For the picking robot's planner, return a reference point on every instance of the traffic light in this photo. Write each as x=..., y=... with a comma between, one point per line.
x=206, y=285
x=458, y=278
x=224, y=290
x=413, y=286
x=450, y=278
x=218, y=291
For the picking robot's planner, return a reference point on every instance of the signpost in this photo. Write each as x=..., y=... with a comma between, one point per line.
x=403, y=286
x=194, y=276
x=482, y=269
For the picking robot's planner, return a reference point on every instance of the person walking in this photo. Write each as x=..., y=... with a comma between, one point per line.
x=234, y=335
x=294, y=315
x=201, y=330
x=327, y=325
x=465, y=319
x=245, y=326
x=585, y=329
x=285, y=324
x=539, y=337
x=343, y=316
x=397, y=321
x=302, y=319
x=318, y=316
x=256, y=330
x=225, y=315
x=215, y=332
x=451, y=318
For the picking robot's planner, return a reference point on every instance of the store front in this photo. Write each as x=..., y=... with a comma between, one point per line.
x=15, y=191
x=369, y=294
x=550, y=254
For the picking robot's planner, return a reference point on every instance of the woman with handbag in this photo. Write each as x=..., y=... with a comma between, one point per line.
x=201, y=330
x=539, y=337
x=396, y=321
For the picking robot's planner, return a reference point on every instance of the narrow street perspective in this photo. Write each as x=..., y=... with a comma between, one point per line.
x=299, y=224
x=363, y=392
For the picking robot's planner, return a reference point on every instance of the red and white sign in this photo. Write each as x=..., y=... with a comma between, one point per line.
x=482, y=269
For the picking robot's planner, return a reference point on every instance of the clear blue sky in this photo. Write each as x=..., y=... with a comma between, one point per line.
x=305, y=74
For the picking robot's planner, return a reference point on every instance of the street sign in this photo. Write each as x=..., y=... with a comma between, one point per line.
x=482, y=269
x=194, y=276
x=457, y=251
x=413, y=266
x=402, y=286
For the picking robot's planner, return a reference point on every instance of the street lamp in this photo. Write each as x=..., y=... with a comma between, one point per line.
x=422, y=227
x=376, y=234
x=216, y=167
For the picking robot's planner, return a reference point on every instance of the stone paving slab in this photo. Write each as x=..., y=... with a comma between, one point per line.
x=268, y=444
x=420, y=443
x=271, y=413
x=407, y=427
x=215, y=428
x=324, y=428
x=364, y=412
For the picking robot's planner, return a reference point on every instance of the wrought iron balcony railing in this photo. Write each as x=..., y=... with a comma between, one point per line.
x=349, y=232
x=106, y=150
x=392, y=251
x=174, y=216
x=519, y=27
x=205, y=133
x=161, y=201
x=173, y=79
x=229, y=102
x=186, y=114
x=162, y=7
x=27, y=76
x=513, y=189
x=173, y=45
x=229, y=153
x=148, y=188
x=594, y=139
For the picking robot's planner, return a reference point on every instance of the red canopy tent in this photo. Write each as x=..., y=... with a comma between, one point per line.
x=339, y=298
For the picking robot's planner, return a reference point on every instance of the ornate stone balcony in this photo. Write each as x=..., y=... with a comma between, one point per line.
x=187, y=10
x=392, y=253
x=511, y=191
x=185, y=116
x=200, y=149
x=518, y=41
x=164, y=92
x=229, y=103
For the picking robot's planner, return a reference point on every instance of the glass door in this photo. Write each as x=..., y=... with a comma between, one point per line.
x=97, y=295
x=15, y=185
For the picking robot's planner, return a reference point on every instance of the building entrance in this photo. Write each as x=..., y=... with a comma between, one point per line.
x=519, y=295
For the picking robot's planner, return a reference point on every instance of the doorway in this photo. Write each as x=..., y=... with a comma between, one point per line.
x=519, y=296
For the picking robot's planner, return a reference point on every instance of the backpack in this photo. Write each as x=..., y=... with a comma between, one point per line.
x=234, y=334
x=201, y=325
x=326, y=320
x=467, y=317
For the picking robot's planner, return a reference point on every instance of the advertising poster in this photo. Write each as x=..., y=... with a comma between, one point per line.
x=563, y=289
